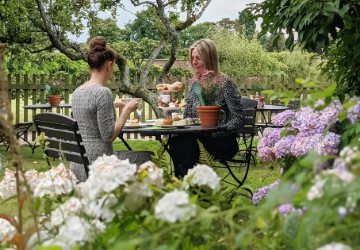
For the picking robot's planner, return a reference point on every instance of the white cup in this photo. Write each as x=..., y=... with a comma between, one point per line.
x=165, y=98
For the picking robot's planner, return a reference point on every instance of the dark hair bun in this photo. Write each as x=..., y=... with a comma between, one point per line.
x=97, y=44
x=99, y=53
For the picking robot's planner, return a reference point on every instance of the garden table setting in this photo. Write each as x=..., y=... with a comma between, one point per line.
x=153, y=128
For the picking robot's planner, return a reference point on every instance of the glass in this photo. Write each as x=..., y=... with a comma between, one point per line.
x=140, y=108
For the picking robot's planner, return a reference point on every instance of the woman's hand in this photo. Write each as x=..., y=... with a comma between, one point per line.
x=120, y=103
x=132, y=105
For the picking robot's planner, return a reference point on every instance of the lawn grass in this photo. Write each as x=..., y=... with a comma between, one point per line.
x=259, y=175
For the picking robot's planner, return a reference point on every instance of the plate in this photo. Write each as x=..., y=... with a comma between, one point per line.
x=169, y=108
x=139, y=126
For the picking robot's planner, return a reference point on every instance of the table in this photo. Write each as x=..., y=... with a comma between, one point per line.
x=270, y=109
x=171, y=131
x=46, y=106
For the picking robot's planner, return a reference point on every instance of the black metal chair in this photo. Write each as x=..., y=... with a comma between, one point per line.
x=21, y=130
x=242, y=159
x=294, y=104
x=63, y=135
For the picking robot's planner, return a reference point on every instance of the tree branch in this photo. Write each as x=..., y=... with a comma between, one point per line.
x=55, y=40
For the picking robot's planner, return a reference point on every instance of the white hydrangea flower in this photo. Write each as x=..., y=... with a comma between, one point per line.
x=202, y=175
x=71, y=207
x=101, y=208
x=8, y=184
x=175, y=206
x=99, y=225
x=32, y=177
x=316, y=191
x=106, y=174
x=154, y=174
x=136, y=195
x=349, y=153
x=56, y=181
x=7, y=231
x=335, y=246
x=343, y=175
x=75, y=230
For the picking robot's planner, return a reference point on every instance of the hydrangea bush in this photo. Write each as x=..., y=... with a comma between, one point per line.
x=316, y=205
x=115, y=194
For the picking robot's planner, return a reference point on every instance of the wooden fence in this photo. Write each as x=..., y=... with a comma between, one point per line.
x=25, y=90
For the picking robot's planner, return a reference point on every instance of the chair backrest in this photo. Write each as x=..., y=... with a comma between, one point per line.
x=277, y=102
x=249, y=107
x=294, y=104
x=248, y=103
x=62, y=133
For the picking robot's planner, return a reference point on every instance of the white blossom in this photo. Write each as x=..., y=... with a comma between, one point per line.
x=101, y=208
x=175, y=206
x=136, y=195
x=7, y=231
x=335, y=246
x=106, y=174
x=8, y=184
x=32, y=177
x=75, y=230
x=316, y=191
x=202, y=175
x=56, y=181
x=71, y=207
x=154, y=174
x=343, y=175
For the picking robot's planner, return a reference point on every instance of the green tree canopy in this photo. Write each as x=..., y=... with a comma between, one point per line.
x=330, y=24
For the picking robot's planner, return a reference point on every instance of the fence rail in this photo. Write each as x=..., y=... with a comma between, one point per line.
x=30, y=89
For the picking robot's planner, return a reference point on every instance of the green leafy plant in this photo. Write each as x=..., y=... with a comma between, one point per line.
x=54, y=87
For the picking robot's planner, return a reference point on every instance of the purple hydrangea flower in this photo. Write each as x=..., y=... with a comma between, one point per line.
x=354, y=113
x=329, y=145
x=261, y=192
x=281, y=118
x=284, y=209
x=304, y=144
x=283, y=146
x=329, y=115
x=266, y=154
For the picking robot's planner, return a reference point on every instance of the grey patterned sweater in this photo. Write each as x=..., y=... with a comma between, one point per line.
x=94, y=111
x=229, y=99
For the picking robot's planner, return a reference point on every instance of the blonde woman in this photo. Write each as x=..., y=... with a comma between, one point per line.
x=184, y=150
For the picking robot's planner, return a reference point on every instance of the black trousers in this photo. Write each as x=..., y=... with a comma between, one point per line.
x=185, y=151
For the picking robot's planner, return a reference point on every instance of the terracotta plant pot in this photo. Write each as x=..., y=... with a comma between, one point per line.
x=209, y=115
x=54, y=100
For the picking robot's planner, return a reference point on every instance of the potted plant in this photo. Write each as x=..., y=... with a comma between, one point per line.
x=207, y=87
x=53, y=90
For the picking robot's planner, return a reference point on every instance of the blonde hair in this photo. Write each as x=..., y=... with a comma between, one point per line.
x=208, y=54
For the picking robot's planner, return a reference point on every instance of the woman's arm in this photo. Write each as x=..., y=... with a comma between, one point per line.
x=119, y=124
x=109, y=127
x=233, y=102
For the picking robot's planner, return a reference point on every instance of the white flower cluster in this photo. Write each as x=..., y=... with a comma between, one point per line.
x=137, y=192
x=202, y=175
x=335, y=246
x=175, y=206
x=7, y=231
x=8, y=184
x=96, y=201
x=57, y=181
x=106, y=174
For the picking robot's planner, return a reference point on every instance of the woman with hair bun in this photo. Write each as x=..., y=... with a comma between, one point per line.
x=94, y=109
